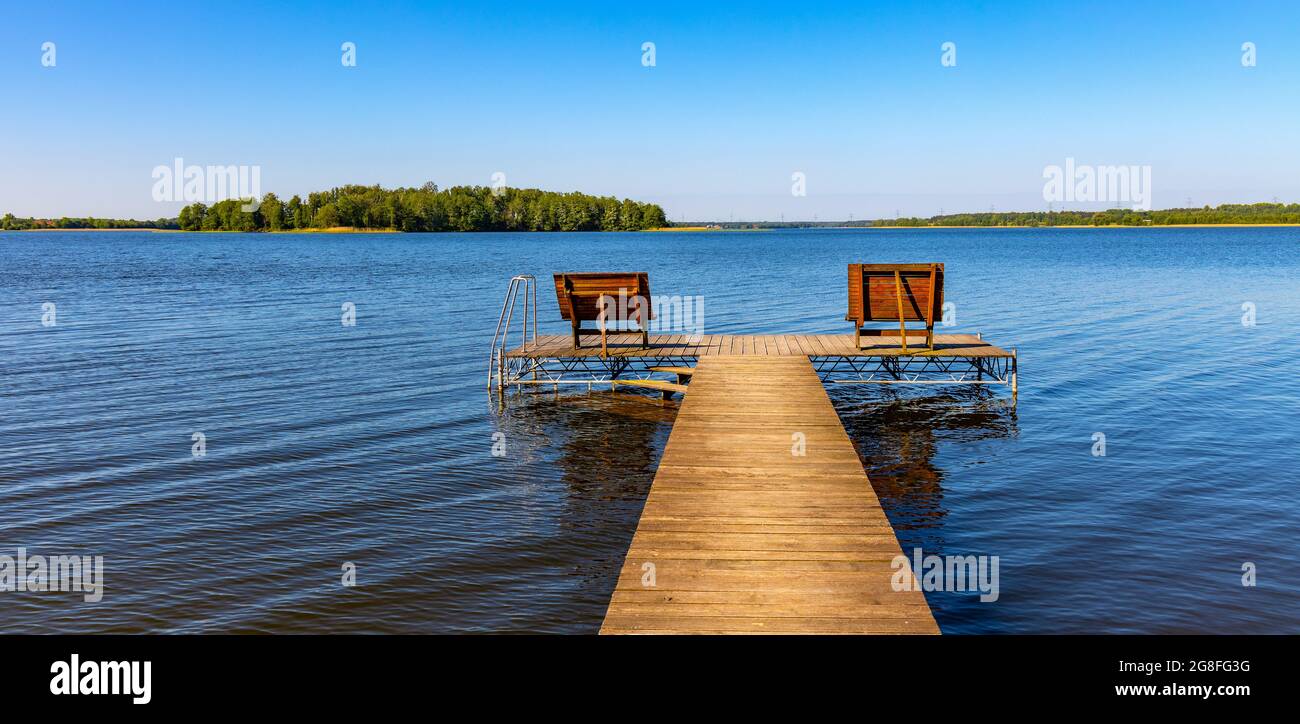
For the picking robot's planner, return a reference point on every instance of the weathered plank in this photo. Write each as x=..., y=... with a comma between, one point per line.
x=741, y=533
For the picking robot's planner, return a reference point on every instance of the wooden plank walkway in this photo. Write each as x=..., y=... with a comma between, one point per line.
x=743, y=536
x=794, y=345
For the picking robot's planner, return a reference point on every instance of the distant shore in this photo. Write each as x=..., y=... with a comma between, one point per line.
x=331, y=230
x=479, y=209
x=705, y=228
x=1070, y=226
x=360, y=230
x=686, y=229
x=139, y=228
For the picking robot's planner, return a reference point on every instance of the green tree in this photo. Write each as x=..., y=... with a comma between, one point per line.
x=327, y=217
x=272, y=211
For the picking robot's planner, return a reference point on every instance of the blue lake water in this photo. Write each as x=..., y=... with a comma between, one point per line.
x=371, y=444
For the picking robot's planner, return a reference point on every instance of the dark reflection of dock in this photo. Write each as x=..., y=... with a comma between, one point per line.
x=897, y=438
x=742, y=535
x=592, y=435
x=604, y=449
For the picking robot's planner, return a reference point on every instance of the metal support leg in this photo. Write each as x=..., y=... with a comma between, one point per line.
x=1015, y=384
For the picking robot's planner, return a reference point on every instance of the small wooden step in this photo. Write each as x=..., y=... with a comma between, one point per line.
x=686, y=371
x=663, y=386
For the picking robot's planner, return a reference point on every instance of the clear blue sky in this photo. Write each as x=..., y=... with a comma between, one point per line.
x=554, y=95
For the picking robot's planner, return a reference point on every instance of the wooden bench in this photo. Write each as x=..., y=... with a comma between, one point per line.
x=895, y=293
x=604, y=298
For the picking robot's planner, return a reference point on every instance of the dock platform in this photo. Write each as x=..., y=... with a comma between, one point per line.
x=761, y=518
x=957, y=359
x=764, y=345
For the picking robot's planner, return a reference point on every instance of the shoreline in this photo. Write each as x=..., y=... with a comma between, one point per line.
x=355, y=230
x=137, y=228
x=707, y=228
x=1077, y=226
x=667, y=229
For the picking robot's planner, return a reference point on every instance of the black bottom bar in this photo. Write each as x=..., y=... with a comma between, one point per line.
x=941, y=675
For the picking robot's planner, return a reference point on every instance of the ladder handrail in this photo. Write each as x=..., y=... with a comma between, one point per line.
x=496, y=358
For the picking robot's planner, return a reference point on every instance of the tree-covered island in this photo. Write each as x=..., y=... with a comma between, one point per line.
x=460, y=208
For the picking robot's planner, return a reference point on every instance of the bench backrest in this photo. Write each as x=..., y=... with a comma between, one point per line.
x=579, y=293
x=873, y=292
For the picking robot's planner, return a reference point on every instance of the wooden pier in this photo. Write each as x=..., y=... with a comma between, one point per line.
x=761, y=518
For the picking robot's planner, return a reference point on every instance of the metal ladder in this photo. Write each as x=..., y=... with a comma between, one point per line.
x=497, y=362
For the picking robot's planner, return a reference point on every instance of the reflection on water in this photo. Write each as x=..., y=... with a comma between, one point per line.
x=604, y=447
x=899, y=437
x=371, y=443
x=599, y=452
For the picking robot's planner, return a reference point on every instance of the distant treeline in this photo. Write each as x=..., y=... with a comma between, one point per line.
x=479, y=208
x=461, y=208
x=729, y=225
x=12, y=223
x=1222, y=214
